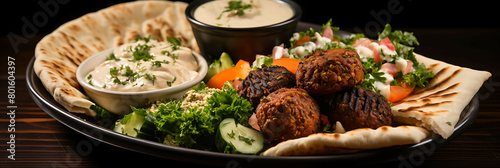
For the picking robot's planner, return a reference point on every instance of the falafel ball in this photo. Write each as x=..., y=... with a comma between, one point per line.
x=288, y=113
x=263, y=81
x=360, y=108
x=328, y=71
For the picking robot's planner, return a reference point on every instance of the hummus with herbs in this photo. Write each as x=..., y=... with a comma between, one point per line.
x=145, y=65
x=243, y=13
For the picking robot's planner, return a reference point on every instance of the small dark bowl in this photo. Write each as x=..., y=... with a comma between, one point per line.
x=241, y=43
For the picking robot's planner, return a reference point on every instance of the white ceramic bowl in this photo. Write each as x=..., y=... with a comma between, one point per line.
x=119, y=102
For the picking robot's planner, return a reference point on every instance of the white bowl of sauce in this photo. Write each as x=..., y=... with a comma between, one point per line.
x=242, y=28
x=118, y=78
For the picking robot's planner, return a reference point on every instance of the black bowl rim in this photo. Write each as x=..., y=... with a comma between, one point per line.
x=195, y=4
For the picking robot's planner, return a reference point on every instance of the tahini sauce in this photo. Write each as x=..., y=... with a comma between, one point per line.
x=181, y=67
x=262, y=13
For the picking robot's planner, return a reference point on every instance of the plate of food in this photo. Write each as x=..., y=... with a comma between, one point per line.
x=326, y=96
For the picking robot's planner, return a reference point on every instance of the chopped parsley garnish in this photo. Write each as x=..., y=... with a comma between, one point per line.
x=141, y=52
x=112, y=57
x=231, y=135
x=114, y=71
x=150, y=77
x=173, y=56
x=129, y=73
x=237, y=7
x=398, y=36
x=158, y=63
x=176, y=42
x=246, y=140
x=169, y=83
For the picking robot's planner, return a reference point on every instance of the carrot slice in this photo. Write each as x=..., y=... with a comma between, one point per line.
x=289, y=63
x=240, y=70
x=302, y=40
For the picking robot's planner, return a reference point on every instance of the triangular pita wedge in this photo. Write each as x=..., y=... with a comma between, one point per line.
x=438, y=106
x=59, y=53
x=351, y=141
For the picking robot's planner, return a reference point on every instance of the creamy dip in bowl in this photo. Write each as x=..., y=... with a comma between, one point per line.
x=139, y=72
x=237, y=33
x=255, y=13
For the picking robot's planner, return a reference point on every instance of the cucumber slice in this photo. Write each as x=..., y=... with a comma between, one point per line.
x=236, y=138
x=137, y=125
x=129, y=124
x=223, y=63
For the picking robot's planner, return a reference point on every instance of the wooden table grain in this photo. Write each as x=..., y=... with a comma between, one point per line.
x=41, y=141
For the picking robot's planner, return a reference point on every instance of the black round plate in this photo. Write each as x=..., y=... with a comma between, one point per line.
x=406, y=154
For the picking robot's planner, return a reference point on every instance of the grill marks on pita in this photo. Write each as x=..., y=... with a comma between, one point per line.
x=435, y=92
x=426, y=105
x=59, y=53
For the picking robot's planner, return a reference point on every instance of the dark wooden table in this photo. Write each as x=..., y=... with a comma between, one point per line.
x=41, y=141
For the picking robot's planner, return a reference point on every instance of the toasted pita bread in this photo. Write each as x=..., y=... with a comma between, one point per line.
x=59, y=53
x=351, y=141
x=438, y=106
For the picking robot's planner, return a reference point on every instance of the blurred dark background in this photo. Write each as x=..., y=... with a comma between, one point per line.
x=445, y=29
x=346, y=14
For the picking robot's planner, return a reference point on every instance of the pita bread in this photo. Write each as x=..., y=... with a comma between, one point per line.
x=438, y=106
x=351, y=141
x=59, y=53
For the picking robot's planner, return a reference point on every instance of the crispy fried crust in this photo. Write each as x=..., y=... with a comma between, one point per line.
x=288, y=113
x=263, y=81
x=360, y=108
x=330, y=71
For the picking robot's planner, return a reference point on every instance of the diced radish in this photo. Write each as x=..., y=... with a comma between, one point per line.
x=278, y=51
x=253, y=122
x=328, y=32
x=236, y=83
x=362, y=42
x=409, y=67
x=389, y=68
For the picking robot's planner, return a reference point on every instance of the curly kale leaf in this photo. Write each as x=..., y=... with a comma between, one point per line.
x=184, y=125
x=227, y=104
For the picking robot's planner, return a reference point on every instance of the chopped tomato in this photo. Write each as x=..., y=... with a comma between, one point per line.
x=289, y=63
x=240, y=70
x=302, y=40
x=390, y=68
x=387, y=42
x=324, y=119
x=399, y=92
x=365, y=42
x=376, y=53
